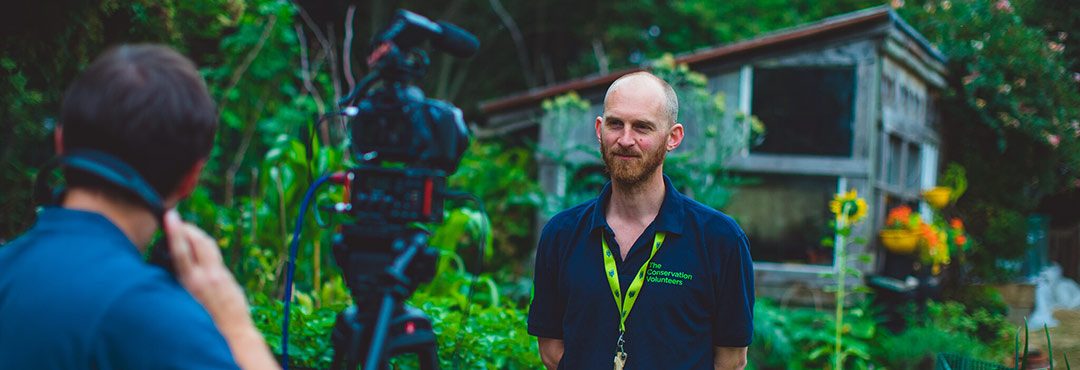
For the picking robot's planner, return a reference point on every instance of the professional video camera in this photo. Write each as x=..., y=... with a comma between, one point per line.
x=405, y=146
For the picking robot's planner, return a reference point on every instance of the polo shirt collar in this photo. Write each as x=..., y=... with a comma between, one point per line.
x=669, y=220
x=80, y=222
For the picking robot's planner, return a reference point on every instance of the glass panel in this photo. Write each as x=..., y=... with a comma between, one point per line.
x=892, y=161
x=786, y=217
x=913, y=171
x=806, y=110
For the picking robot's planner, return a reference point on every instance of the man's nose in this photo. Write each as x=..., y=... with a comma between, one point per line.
x=626, y=138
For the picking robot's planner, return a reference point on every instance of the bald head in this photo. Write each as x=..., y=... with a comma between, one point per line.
x=646, y=80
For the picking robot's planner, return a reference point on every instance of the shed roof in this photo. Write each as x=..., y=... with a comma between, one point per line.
x=837, y=25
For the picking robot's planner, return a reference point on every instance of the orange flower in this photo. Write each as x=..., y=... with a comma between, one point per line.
x=961, y=240
x=929, y=235
x=956, y=224
x=898, y=216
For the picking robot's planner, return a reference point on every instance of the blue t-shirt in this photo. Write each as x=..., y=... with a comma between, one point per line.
x=698, y=292
x=76, y=294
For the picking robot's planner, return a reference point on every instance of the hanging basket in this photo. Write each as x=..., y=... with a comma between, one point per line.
x=899, y=241
x=937, y=197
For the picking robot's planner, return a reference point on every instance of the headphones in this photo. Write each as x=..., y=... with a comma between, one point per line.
x=111, y=169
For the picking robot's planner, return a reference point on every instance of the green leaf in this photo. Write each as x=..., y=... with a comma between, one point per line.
x=1049, y=346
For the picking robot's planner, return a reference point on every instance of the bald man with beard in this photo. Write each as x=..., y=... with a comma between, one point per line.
x=642, y=277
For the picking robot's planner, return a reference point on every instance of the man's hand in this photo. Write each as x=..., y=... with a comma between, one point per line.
x=200, y=269
x=551, y=351
x=730, y=358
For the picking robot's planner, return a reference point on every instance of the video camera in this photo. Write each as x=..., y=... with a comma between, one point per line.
x=405, y=145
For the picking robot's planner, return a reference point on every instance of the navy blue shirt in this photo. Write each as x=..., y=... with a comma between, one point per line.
x=698, y=292
x=76, y=294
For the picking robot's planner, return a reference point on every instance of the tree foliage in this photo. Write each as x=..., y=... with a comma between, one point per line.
x=44, y=48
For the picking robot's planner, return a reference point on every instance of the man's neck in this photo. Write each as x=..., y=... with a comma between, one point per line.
x=135, y=221
x=639, y=203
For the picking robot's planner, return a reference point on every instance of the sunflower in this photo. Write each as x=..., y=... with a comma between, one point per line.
x=855, y=206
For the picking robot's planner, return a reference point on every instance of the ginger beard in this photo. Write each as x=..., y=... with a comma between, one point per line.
x=631, y=171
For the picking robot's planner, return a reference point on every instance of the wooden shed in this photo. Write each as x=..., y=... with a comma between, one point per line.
x=849, y=102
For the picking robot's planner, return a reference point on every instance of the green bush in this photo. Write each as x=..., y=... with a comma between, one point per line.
x=504, y=178
x=309, y=330
x=990, y=328
x=947, y=327
x=493, y=337
x=911, y=349
x=804, y=338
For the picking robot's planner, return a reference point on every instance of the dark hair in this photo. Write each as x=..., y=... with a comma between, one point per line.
x=145, y=104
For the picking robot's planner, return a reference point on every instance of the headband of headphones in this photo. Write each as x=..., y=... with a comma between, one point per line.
x=104, y=166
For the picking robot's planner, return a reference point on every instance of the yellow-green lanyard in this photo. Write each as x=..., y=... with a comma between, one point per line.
x=635, y=285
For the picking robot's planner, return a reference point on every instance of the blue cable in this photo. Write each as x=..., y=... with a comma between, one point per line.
x=292, y=267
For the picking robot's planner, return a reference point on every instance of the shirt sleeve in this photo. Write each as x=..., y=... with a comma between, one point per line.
x=155, y=327
x=733, y=325
x=547, y=307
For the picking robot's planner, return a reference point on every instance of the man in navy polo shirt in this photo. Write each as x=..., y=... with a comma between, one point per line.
x=74, y=290
x=642, y=277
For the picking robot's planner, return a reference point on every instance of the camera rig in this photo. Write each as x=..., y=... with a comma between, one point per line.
x=405, y=145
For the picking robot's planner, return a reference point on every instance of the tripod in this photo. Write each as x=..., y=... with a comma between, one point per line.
x=395, y=328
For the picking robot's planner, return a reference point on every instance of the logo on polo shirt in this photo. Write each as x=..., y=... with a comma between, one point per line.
x=657, y=274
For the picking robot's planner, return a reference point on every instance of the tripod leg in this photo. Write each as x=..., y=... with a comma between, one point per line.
x=347, y=340
x=429, y=358
x=376, y=353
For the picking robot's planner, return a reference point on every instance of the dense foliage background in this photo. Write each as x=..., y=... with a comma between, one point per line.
x=1012, y=114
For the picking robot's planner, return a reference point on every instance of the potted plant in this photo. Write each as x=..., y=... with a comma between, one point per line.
x=898, y=236
x=938, y=196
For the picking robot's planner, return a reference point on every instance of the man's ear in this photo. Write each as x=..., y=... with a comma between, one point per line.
x=58, y=140
x=187, y=184
x=599, y=121
x=675, y=137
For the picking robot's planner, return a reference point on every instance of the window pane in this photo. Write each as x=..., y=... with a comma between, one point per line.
x=786, y=217
x=892, y=161
x=806, y=110
x=913, y=173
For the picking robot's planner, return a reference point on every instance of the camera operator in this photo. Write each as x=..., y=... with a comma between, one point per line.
x=75, y=292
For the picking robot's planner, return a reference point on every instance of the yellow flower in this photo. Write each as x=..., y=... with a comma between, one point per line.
x=856, y=207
